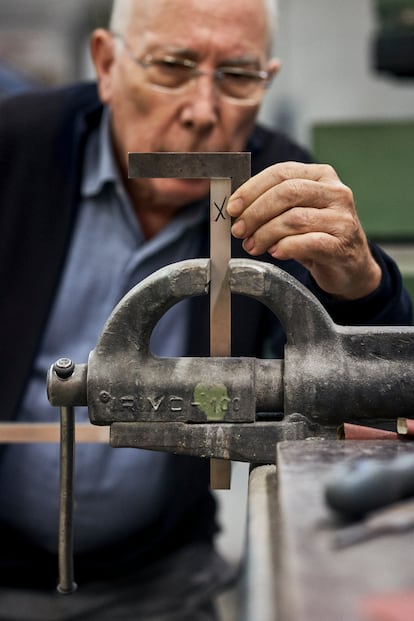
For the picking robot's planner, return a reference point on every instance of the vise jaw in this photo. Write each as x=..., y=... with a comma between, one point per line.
x=330, y=373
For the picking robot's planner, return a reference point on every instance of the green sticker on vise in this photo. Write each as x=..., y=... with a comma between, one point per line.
x=212, y=400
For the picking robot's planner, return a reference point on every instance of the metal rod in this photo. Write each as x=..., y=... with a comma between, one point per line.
x=220, y=297
x=28, y=433
x=66, y=584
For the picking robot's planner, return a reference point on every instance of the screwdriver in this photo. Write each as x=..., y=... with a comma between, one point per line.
x=364, y=485
x=397, y=518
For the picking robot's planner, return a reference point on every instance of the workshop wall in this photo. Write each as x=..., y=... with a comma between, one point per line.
x=45, y=41
x=327, y=69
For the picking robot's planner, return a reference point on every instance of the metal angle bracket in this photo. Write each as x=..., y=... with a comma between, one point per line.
x=226, y=172
x=216, y=165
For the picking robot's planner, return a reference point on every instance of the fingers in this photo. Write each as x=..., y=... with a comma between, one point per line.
x=278, y=199
x=276, y=203
x=304, y=212
x=271, y=177
x=277, y=235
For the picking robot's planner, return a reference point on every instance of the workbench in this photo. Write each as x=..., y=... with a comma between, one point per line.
x=293, y=572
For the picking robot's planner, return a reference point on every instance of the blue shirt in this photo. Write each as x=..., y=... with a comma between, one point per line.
x=117, y=491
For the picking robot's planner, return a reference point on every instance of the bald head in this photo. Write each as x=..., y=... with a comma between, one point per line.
x=123, y=10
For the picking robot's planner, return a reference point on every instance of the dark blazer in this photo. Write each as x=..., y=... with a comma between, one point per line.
x=42, y=139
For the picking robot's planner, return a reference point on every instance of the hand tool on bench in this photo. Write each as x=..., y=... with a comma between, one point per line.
x=396, y=518
x=360, y=486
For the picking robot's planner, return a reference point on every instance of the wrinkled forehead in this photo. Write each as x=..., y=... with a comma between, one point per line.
x=232, y=26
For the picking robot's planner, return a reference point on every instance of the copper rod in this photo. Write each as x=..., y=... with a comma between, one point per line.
x=25, y=433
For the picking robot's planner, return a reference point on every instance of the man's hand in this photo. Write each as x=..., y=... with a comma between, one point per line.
x=304, y=212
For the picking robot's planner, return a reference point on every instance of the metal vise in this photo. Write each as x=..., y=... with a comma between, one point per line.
x=329, y=374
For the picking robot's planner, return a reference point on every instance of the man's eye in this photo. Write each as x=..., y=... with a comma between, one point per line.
x=169, y=72
x=170, y=64
x=239, y=76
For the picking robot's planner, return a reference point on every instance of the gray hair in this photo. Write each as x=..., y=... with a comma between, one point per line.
x=121, y=11
x=120, y=15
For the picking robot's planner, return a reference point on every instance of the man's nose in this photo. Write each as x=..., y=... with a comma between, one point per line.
x=201, y=108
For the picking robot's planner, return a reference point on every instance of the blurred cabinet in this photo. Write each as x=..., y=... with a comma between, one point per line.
x=377, y=161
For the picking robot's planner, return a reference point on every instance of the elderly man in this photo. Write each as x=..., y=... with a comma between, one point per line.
x=77, y=234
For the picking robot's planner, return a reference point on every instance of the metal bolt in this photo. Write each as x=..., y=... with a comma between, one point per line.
x=104, y=396
x=64, y=368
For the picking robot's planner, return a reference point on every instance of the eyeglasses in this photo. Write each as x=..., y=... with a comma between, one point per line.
x=172, y=74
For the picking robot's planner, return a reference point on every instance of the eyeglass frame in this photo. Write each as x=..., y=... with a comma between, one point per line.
x=264, y=77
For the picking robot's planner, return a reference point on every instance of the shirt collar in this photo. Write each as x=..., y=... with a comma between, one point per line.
x=100, y=165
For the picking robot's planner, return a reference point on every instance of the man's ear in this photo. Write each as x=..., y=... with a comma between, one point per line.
x=102, y=48
x=274, y=66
